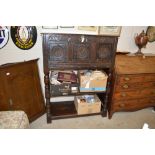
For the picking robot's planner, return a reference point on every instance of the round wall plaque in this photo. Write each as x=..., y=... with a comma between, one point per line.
x=24, y=37
x=4, y=36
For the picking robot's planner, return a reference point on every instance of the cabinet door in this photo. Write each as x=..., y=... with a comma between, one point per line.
x=24, y=89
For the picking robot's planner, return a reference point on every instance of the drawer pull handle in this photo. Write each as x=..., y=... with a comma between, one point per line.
x=125, y=86
x=7, y=74
x=127, y=79
x=123, y=94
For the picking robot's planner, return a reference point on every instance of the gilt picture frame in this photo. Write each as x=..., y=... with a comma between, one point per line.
x=50, y=27
x=88, y=28
x=110, y=30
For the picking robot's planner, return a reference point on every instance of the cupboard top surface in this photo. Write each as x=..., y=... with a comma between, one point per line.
x=13, y=64
x=125, y=64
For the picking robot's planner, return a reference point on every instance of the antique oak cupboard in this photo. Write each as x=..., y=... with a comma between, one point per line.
x=20, y=88
x=76, y=52
x=133, y=83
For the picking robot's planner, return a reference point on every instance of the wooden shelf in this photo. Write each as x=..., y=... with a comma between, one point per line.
x=79, y=93
x=66, y=109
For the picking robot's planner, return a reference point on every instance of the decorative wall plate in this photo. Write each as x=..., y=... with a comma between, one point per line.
x=151, y=33
x=24, y=37
x=4, y=36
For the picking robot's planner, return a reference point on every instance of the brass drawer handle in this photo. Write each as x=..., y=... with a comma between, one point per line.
x=125, y=86
x=127, y=78
x=7, y=74
x=123, y=94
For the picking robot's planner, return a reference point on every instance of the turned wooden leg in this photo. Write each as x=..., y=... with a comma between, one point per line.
x=48, y=111
x=104, y=113
x=110, y=114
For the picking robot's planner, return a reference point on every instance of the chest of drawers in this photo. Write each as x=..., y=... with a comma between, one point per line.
x=133, y=83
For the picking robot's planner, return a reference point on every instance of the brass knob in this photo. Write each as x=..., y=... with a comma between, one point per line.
x=125, y=86
x=123, y=94
x=8, y=73
x=127, y=78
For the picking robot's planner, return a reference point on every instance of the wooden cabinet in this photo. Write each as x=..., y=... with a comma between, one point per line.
x=76, y=52
x=134, y=83
x=20, y=88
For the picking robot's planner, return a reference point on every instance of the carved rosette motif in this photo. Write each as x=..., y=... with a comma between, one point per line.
x=57, y=53
x=104, y=51
x=81, y=52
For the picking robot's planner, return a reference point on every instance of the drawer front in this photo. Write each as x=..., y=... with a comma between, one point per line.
x=132, y=105
x=134, y=86
x=134, y=94
x=135, y=78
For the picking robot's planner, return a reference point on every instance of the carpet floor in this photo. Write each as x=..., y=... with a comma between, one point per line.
x=120, y=120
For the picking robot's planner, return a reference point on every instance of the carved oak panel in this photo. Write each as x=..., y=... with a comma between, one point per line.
x=104, y=51
x=81, y=52
x=58, y=51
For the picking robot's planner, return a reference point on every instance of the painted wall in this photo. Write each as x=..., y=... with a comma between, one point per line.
x=11, y=53
x=126, y=40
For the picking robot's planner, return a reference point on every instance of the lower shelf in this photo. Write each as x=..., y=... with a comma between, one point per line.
x=66, y=109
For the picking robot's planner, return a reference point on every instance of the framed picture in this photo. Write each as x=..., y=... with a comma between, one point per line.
x=66, y=26
x=50, y=27
x=88, y=28
x=110, y=30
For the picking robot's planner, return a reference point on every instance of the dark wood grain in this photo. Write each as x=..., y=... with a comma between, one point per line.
x=77, y=52
x=21, y=89
x=133, y=84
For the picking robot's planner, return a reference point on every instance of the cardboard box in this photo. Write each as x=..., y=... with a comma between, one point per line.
x=94, y=81
x=85, y=107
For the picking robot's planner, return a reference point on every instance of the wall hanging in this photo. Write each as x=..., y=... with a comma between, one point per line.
x=24, y=37
x=4, y=36
x=151, y=33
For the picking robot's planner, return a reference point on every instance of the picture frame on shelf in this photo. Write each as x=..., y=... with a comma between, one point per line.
x=88, y=28
x=50, y=27
x=110, y=30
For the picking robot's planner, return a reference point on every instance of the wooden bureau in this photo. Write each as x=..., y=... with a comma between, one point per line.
x=133, y=83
